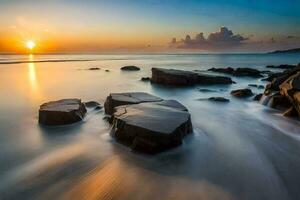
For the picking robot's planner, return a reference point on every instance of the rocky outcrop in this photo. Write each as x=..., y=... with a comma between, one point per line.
x=278, y=78
x=119, y=99
x=151, y=127
x=284, y=92
x=185, y=78
x=238, y=72
x=242, y=93
x=130, y=68
x=61, y=112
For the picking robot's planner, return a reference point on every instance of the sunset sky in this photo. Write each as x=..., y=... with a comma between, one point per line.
x=92, y=26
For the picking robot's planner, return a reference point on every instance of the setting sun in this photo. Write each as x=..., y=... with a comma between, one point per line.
x=30, y=44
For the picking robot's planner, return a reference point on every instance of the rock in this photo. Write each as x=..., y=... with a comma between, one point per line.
x=290, y=90
x=247, y=72
x=218, y=99
x=290, y=112
x=107, y=118
x=227, y=70
x=130, y=68
x=107, y=70
x=257, y=97
x=272, y=76
x=94, y=68
x=145, y=79
x=281, y=77
x=284, y=91
x=93, y=104
x=282, y=66
x=151, y=127
x=61, y=112
x=185, y=78
x=238, y=72
x=242, y=93
x=119, y=99
x=206, y=90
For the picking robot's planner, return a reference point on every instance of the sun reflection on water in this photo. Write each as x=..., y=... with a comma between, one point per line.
x=32, y=77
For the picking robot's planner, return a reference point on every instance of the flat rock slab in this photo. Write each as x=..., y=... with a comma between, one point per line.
x=119, y=99
x=185, y=78
x=61, y=112
x=151, y=127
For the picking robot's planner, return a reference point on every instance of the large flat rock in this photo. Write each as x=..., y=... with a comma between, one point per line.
x=61, y=112
x=185, y=78
x=119, y=99
x=151, y=127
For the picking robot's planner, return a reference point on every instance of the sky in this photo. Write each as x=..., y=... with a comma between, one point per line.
x=137, y=26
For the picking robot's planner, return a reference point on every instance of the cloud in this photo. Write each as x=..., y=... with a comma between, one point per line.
x=224, y=38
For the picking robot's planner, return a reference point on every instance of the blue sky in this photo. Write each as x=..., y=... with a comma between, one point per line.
x=154, y=23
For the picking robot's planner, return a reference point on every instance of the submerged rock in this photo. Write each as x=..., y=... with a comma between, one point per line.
x=119, y=99
x=151, y=127
x=145, y=79
x=206, y=90
x=218, y=99
x=130, y=68
x=185, y=78
x=242, y=93
x=61, y=112
x=94, y=68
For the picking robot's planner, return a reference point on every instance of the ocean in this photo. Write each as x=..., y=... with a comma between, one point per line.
x=239, y=150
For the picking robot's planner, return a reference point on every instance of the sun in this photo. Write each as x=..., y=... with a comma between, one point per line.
x=30, y=44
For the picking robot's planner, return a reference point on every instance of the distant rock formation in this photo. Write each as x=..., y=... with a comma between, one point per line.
x=238, y=71
x=185, y=78
x=297, y=50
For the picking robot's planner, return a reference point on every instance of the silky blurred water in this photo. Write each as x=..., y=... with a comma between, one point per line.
x=239, y=150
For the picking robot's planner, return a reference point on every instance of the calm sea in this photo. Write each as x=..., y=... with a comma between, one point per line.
x=239, y=150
